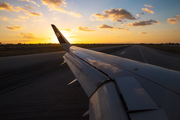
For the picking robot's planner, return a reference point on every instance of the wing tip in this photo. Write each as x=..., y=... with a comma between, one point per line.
x=62, y=40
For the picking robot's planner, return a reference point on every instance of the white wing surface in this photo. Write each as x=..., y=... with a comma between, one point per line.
x=123, y=89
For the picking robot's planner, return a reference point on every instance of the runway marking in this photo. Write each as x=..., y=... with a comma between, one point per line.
x=142, y=55
x=123, y=52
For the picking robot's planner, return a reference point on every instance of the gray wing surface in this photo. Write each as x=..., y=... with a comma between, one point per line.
x=123, y=89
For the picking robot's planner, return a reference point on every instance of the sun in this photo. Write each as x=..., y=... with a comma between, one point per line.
x=54, y=40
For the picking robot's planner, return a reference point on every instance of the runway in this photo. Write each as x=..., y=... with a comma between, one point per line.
x=34, y=87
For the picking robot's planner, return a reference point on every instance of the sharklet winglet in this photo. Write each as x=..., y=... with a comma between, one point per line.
x=62, y=40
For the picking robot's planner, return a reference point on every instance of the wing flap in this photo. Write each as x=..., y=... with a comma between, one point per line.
x=135, y=97
x=105, y=104
x=149, y=115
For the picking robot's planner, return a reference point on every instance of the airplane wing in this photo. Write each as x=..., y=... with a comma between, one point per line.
x=123, y=89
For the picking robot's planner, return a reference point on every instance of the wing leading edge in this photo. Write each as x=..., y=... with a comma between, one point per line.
x=64, y=42
x=104, y=79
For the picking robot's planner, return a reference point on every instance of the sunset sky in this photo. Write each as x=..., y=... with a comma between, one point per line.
x=94, y=21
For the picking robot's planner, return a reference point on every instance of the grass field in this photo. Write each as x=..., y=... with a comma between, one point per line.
x=23, y=49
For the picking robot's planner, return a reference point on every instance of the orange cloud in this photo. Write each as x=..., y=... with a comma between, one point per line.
x=100, y=16
x=115, y=15
x=149, y=6
x=5, y=18
x=13, y=28
x=85, y=28
x=142, y=32
x=39, y=20
x=24, y=17
x=52, y=3
x=26, y=35
x=104, y=26
x=66, y=29
x=31, y=2
x=143, y=23
x=56, y=4
x=6, y=6
x=177, y=16
x=148, y=10
x=27, y=11
x=137, y=15
x=19, y=20
x=72, y=13
x=172, y=20
x=30, y=7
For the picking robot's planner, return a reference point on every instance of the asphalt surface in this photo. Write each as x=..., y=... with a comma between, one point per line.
x=34, y=87
x=151, y=56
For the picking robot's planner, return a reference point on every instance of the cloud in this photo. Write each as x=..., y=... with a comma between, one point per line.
x=149, y=6
x=35, y=14
x=39, y=20
x=177, y=16
x=173, y=31
x=66, y=29
x=6, y=6
x=148, y=10
x=85, y=28
x=19, y=20
x=5, y=18
x=119, y=14
x=142, y=13
x=13, y=28
x=30, y=7
x=104, y=26
x=142, y=32
x=31, y=1
x=115, y=15
x=24, y=17
x=172, y=20
x=56, y=4
x=72, y=13
x=26, y=35
x=27, y=11
x=137, y=16
x=143, y=23
x=100, y=16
